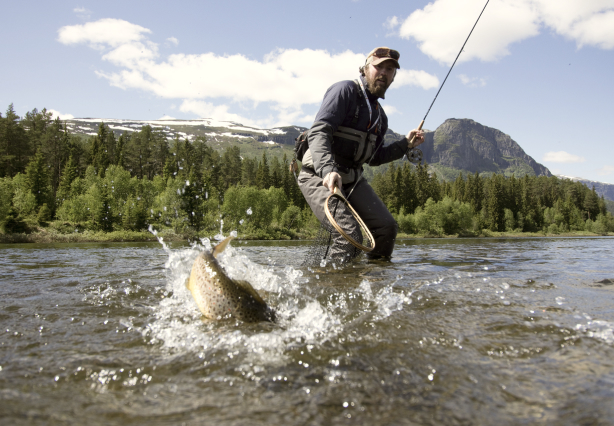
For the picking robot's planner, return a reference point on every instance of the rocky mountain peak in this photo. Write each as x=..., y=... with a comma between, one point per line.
x=464, y=144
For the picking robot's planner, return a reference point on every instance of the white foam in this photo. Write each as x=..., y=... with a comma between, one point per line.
x=602, y=330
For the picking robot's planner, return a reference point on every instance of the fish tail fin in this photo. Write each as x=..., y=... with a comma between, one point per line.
x=221, y=246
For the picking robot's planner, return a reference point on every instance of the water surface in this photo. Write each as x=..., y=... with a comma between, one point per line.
x=464, y=331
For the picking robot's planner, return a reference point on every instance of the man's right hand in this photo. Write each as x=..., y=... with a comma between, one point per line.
x=332, y=180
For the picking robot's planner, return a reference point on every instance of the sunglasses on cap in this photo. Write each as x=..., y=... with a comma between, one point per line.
x=384, y=52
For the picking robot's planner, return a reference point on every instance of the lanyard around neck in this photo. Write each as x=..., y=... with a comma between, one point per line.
x=369, y=127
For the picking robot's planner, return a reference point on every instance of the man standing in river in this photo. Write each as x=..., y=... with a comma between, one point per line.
x=348, y=132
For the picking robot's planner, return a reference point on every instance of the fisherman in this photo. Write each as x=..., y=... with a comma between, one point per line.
x=348, y=132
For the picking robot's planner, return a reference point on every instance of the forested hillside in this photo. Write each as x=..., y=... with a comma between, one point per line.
x=52, y=178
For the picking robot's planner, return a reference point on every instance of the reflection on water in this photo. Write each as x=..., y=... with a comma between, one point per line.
x=466, y=331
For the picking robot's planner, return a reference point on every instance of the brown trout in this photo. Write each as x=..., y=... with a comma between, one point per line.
x=219, y=296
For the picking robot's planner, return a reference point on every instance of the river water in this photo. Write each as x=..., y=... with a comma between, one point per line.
x=461, y=331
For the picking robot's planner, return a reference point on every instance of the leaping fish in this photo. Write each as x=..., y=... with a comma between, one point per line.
x=219, y=296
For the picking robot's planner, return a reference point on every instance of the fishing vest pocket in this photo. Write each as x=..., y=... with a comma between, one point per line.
x=352, y=147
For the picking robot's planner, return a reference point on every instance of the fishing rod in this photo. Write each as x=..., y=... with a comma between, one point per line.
x=414, y=155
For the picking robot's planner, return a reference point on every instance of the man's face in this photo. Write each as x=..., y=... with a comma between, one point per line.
x=380, y=77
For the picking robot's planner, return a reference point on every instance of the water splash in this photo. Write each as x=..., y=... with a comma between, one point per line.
x=179, y=326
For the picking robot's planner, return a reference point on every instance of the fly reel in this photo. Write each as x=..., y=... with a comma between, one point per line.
x=414, y=155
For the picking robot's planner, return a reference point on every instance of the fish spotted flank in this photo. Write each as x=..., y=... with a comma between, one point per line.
x=219, y=296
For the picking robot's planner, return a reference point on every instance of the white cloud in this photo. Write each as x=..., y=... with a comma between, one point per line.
x=390, y=110
x=562, y=157
x=391, y=23
x=55, y=114
x=441, y=27
x=605, y=170
x=100, y=34
x=472, y=81
x=172, y=40
x=415, y=78
x=288, y=79
x=82, y=12
x=586, y=22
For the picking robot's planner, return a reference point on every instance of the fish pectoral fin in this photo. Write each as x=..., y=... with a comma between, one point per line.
x=221, y=246
x=245, y=285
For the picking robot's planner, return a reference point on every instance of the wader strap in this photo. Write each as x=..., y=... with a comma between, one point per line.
x=370, y=126
x=356, y=114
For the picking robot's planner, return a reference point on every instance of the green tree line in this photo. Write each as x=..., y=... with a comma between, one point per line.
x=106, y=182
x=138, y=179
x=422, y=203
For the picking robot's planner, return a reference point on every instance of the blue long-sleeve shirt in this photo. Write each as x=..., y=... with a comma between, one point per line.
x=338, y=109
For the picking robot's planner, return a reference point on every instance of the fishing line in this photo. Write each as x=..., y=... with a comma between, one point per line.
x=444, y=80
x=414, y=155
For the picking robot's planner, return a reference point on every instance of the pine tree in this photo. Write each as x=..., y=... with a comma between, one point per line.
x=477, y=193
x=38, y=178
x=231, y=167
x=276, y=173
x=287, y=179
x=36, y=124
x=100, y=156
x=263, y=176
x=591, y=204
x=68, y=176
x=422, y=185
x=55, y=146
x=119, y=152
x=434, y=187
x=102, y=215
x=14, y=145
x=495, y=203
x=111, y=146
x=249, y=168
x=170, y=168
x=458, y=188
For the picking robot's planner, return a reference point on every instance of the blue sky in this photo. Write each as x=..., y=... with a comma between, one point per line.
x=538, y=70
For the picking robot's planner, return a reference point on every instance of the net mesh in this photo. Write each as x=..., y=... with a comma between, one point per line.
x=330, y=246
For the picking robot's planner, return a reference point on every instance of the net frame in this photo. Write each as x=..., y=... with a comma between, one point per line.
x=365, y=231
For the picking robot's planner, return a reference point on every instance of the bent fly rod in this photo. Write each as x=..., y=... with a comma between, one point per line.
x=414, y=155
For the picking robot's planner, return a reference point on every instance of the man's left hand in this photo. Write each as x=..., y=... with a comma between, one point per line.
x=419, y=137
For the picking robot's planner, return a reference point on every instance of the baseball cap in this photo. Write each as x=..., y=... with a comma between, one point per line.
x=381, y=54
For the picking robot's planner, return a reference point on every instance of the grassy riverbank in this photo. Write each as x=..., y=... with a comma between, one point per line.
x=49, y=235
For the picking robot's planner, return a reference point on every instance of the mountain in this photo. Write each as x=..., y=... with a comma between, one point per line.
x=220, y=134
x=601, y=188
x=463, y=145
x=458, y=145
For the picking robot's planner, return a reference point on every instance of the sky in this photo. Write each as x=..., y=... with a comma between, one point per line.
x=538, y=70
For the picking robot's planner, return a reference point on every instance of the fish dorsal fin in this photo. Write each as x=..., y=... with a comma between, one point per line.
x=221, y=246
x=248, y=287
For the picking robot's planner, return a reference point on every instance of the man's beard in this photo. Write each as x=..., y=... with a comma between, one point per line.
x=378, y=89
